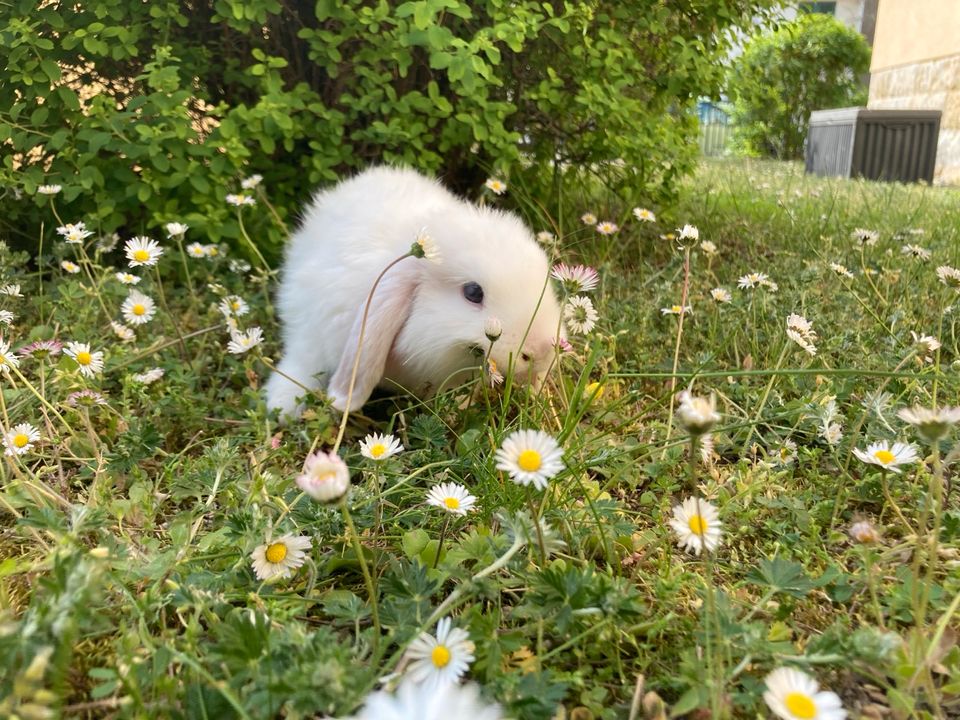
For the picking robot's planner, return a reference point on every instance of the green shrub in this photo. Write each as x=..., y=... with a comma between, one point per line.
x=152, y=112
x=811, y=63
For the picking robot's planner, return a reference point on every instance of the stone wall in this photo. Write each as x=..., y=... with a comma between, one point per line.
x=926, y=85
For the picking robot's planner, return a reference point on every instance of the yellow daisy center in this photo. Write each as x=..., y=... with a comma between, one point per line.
x=529, y=461
x=800, y=705
x=440, y=656
x=378, y=450
x=20, y=440
x=141, y=255
x=138, y=309
x=3, y=359
x=84, y=358
x=885, y=456
x=235, y=305
x=213, y=251
x=698, y=524
x=452, y=503
x=276, y=553
x=676, y=309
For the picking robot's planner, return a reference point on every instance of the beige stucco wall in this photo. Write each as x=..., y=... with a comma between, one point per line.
x=916, y=65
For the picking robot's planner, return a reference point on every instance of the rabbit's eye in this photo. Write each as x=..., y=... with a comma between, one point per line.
x=473, y=292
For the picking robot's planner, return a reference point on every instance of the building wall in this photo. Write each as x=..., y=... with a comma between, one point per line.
x=916, y=65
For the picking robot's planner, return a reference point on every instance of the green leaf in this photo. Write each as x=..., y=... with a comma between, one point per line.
x=414, y=542
x=783, y=576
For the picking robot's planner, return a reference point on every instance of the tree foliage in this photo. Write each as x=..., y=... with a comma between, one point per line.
x=812, y=63
x=151, y=112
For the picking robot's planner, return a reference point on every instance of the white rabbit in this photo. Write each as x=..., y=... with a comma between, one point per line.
x=427, y=317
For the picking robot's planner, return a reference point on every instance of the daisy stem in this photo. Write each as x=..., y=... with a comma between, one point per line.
x=891, y=504
x=43, y=400
x=186, y=267
x=676, y=349
x=87, y=268
x=536, y=523
x=443, y=533
x=173, y=320
x=263, y=197
x=763, y=400
x=162, y=346
x=873, y=286
x=256, y=250
x=934, y=492
x=367, y=577
x=356, y=358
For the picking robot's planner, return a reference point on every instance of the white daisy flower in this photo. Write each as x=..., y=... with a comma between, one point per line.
x=688, y=232
x=49, y=189
x=697, y=525
x=11, y=290
x=238, y=267
x=240, y=199
x=20, y=439
x=149, y=377
x=888, y=456
x=241, y=342
x=234, y=306
x=832, y=433
x=211, y=251
x=325, y=477
x=644, y=215
x=915, y=251
x=90, y=363
x=575, y=278
x=251, y=182
x=492, y=328
x=70, y=267
x=417, y=701
x=176, y=229
x=545, y=237
x=926, y=345
x=697, y=414
x=933, y=424
x=531, y=457
x=864, y=532
x=453, y=498
x=794, y=695
x=580, y=314
x=607, y=228
x=6, y=317
x=380, y=447
x=127, y=278
x=138, y=308
x=721, y=295
x=785, y=454
x=800, y=330
x=755, y=279
x=425, y=247
x=676, y=310
x=841, y=270
x=865, y=237
x=74, y=233
x=196, y=250
x=588, y=219
x=142, y=250
x=85, y=398
x=123, y=332
x=496, y=186
x=106, y=243
x=949, y=276
x=709, y=249
x=441, y=660
x=278, y=559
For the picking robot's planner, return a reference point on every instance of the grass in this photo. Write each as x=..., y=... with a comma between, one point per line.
x=127, y=530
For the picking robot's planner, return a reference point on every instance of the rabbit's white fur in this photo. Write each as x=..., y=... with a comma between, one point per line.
x=421, y=331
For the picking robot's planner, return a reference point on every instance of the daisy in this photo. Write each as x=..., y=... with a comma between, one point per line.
x=238, y=267
x=278, y=559
x=676, y=310
x=74, y=234
x=41, y=349
x=563, y=345
x=496, y=186
x=697, y=525
x=138, y=308
x=127, y=278
x=441, y=660
x=575, y=278
x=7, y=359
x=494, y=376
x=90, y=363
x=239, y=200
x=6, y=317
x=149, y=377
x=106, y=243
x=451, y=497
x=545, y=237
x=926, y=345
x=752, y=280
x=142, y=250
x=380, y=447
x=688, y=232
x=865, y=237
x=423, y=702
x=786, y=453
x=580, y=314
x=241, y=342
x=70, y=267
x=234, y=305
x=425, y=247
x=85, y=398
x=211, y=251
x=325, y=477
x=886, y=456
x=709, y=248
x=530, y=457
x=949, y=276
x=588, y=219
x=607, y=228
x=20, y=439
x=49, y=189
x=864, y=532
x=251, y=182
x=915, y=251
x=123, y=332
x=644, y=215
x=696, y=414
x=11, y=290
x=794, y=695
x=176, y=229
x=492, y=328
x=721, y=295
x=841, y=270
x=932, y=424
x=832, y=433
x=196, y=250
x=800, y=330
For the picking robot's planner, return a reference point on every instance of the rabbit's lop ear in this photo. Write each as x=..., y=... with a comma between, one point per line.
x=388, y=312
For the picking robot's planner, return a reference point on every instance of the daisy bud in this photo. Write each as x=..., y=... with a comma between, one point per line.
x=864, y=533
x=325, y=477
x=697, y=415
x=492, y=328
x=933, y=424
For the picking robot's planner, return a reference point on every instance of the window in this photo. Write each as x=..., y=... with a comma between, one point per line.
x=827, y=8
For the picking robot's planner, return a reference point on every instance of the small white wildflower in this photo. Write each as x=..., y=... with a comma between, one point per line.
x=240, y=199
x=149, y=377
x=721, y=295
x=176, y=229
x=496, y=186
x=580, y=315
x=644, y=215
x=251, y=182
x=49, y=189
x=138, y=309
x=241, y=342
